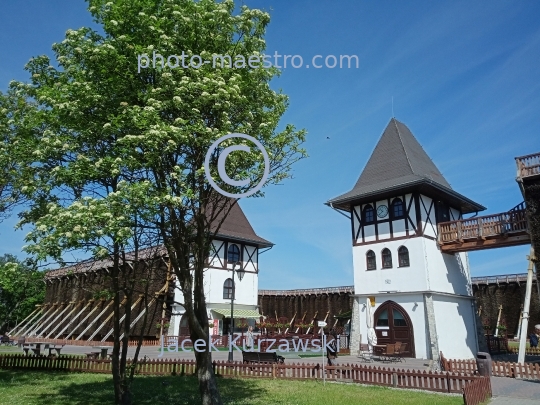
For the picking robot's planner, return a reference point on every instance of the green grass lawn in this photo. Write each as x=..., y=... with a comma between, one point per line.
x=515, y=345
x=45, y=388
x=10, y=349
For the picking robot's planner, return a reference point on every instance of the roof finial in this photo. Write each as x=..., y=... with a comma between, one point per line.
x=393, y=116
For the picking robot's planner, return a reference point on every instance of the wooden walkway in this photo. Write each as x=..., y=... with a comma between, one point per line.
x=488, y=231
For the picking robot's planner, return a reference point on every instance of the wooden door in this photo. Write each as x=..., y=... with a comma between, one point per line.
x=392, y=324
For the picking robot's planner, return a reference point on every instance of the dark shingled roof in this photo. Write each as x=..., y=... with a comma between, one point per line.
x=236, y=227
x=399, y=162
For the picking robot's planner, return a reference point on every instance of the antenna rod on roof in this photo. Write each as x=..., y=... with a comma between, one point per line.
x=393, y=116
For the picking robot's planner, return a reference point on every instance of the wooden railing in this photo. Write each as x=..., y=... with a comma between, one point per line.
x=483, y=227
x=528, y=165
x=308, y=291
x=502, y=279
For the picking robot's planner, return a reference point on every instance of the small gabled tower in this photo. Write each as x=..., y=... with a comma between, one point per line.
x=423, y=297
x=235, y=241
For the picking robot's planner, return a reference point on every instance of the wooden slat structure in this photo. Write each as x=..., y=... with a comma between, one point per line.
x=528, y=166
x=500, y=279
x=488, y=231
x=310, y=291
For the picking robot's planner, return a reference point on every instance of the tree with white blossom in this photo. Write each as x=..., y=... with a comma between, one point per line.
x=112, y=156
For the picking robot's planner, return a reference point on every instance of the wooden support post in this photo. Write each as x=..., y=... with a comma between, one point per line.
x=498, y=321
x=95, y=319
x=51, y=323
x=42, y=321
x=67, y=316
x=139, y=316
x=38, y=307
x=72, y=319
x=121, y=320
x=526, y=306
x=104, y=322
x=81, y=322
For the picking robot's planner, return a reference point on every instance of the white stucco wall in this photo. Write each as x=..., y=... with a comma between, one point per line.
x=412, y=278
x=455, y=327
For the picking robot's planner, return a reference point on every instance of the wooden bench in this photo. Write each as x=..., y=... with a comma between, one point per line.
x=26, y=348
x=262, y=357
x=6, y=340
x=57, y=348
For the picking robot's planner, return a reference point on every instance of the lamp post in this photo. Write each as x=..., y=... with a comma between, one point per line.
x=240, y=272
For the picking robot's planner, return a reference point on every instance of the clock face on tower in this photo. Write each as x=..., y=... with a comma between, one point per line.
x=382, y=211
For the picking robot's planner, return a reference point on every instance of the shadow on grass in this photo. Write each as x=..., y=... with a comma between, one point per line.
x=59, y=388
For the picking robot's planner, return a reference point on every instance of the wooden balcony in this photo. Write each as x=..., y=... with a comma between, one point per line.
x=489, y=231
x=528, y=167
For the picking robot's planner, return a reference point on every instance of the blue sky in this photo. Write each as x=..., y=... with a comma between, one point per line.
x=464, y=77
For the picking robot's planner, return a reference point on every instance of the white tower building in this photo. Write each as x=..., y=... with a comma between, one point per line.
x=236, y=241
x=422, y=297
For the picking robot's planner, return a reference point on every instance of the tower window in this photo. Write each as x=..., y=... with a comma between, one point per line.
x=442, y=212
x=371, y=260
x=386, y=259
x=369, y=214
x=228, y=288
x=403, y=254
x=233, y=254
x=398, y=210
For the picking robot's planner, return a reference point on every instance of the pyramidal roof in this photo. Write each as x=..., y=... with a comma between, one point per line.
x=399, y=162
x=236, y=226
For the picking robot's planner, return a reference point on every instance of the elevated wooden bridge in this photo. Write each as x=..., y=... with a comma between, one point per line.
x=509, y=228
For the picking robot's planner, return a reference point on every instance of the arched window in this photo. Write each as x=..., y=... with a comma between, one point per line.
x=228, y=289
x=403, y=254
x=386, y=259
x=371, y=260
x=397, y=208
x=368, y=214
x=233, y=254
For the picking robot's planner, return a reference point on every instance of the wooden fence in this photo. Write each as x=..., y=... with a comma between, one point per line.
x=477, y=391
x=527, y=371
x=146, y=342
x=449, y=382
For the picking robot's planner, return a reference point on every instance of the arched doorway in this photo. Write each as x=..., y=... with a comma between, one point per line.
x=392, y=324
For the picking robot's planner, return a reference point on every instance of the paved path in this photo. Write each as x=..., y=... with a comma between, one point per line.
x=513, y=391
x=513, y=401
x=291, y=357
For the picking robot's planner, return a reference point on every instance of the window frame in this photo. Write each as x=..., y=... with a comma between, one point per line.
x=233, y=246
x=384, y=266
x=402, y=250
x=228, y=290
x=395, y=205
x=368, y=257
x=364, y=216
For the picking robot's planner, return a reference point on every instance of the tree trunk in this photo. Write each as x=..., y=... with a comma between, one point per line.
x=207, y=379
